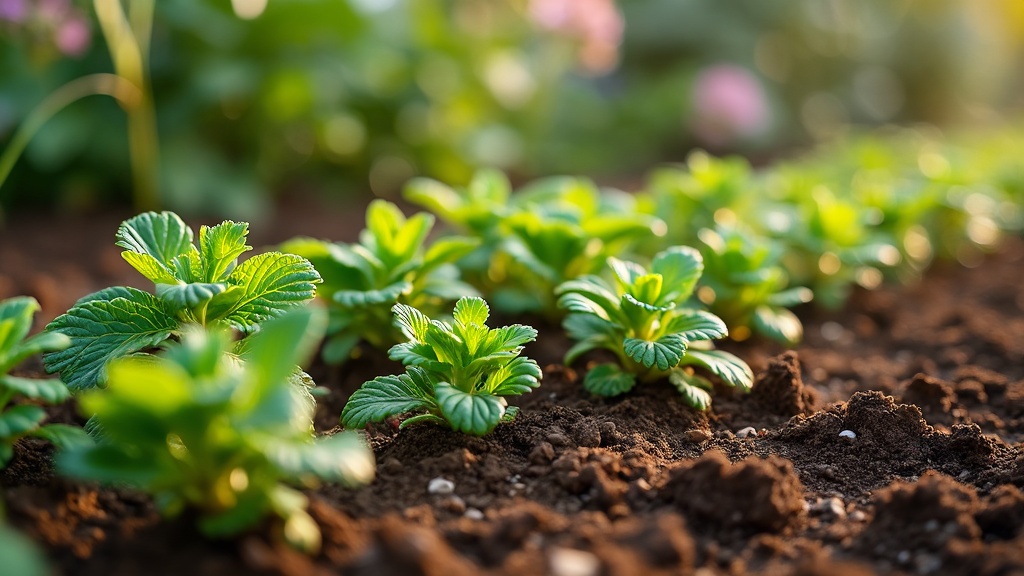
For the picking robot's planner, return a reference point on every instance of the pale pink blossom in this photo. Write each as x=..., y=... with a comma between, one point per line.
x=13, y=10
x=729, y=104
x=73, y=36
x=596, y=24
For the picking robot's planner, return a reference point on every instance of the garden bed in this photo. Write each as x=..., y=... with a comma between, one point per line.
x=929, y=378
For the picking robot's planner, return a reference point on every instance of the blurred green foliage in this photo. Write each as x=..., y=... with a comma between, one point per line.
x=356, y=94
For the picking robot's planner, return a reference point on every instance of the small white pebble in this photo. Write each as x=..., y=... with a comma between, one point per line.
x=832, y=331
x=519, y=486
x=474, y=514
x=848, y=434
x=441, y=486
x=570, y=562
x=858, y=516
x=746, y=432
x=903, y=557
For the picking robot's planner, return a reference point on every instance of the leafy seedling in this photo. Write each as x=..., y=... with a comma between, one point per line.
x=204, y=285
x=26, y=419
x=389, y=265
x=198, y=427
x=643, y=318
x=458, y=374
x=743, y=285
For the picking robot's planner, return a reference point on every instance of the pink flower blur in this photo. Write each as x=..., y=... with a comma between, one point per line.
x=597, y=24
x=729, y=104
x=73, y=36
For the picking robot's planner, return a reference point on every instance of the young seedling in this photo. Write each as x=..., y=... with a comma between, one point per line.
x=390, y=264
x=644, y=320
x=743, y=284
x=24, y=419
x=199, y=428
x=457, y=373
x=203, y=285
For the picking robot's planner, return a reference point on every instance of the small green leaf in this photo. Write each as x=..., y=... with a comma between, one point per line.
x=15, y=321
x=344, y=458
x=63, y=436
x=164, y=236
x=471, y=310
x=517, y=377
x=269, y=283
x=220, y=246
x=625, y=271
x=696, y=325
x=691, y=387
x=181, y=295
x=447, y=250
x=792, y=297
x=411, y=322
x=595, y=290
x=475, y=414
x=16, y=421
x=726, y=366
x=507, y=339
x=608, y=380
x=680, y=267
x=387, y=396
x=778, y=324
x=102, y=330
x=51, y=391
x=579, y=304
x=664, y=353
x=363, y=298
x=156, y=271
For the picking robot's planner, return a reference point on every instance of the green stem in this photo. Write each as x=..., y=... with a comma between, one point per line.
x=126, y=93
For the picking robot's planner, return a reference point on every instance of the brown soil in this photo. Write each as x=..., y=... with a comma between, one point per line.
x=929, y=378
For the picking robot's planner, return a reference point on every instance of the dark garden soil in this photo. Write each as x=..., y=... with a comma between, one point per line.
x=929, y=378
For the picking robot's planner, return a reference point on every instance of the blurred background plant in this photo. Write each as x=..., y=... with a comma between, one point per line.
x=255, y=99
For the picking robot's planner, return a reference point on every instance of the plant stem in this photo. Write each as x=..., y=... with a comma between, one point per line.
x=126, y=93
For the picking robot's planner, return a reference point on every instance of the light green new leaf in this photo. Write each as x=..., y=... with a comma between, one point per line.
x=593, y=289
x=446, y=250
x=625, y=271
x=387, y=396
x=150, y=267
x=608, y=380
x=102, y=330
x=475, y=414
x=15, y=321
x=50, y=391
x=344, y=458
x=220, y=246
x=268, y=284
x=664, y=353
x=17, y=420
x=471, y=310
x=164, y=236
x=411, y=322
x=680, y=268
x=517, y=377
x=696, y=325
x=507, y=339
x=726, y=366
x=42, y=342
x=691, y=387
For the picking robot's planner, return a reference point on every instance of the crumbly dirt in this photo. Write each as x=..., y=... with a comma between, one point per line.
x=929, y=379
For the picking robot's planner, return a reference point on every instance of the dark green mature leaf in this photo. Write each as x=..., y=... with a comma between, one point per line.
x=475, y=414
x=726, y=366
x=387, y=396
x=595, y=290
x=51, y=391
x=365, y=298
x=265, y=286
x=691, y=387
x=665, y=352
x=608, y=380
x=18, y=420
x=63, y=436
x=181, y=295
x=163, y=236
x=695, y=325
x=104, y=329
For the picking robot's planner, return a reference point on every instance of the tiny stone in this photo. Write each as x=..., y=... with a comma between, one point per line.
x=832, y=331
x=858, y=516
x=697, y=436
x=746, y=432
x=570, y=562
x=831, y=507
x=903, y=557
x=963, y=475
x=519, y=486
x=454, y=504
x=441, y=486
x=643, y=484
x=557, y=439
x=848, y=434
x=931, y=525
x=474, y=514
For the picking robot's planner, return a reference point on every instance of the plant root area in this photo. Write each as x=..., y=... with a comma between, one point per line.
x=889, y=442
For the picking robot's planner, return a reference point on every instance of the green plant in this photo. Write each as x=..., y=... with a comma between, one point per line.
x=23, y=420
x=457, y=373
x=203, y=285
x=21, y=556
x=743, y=284
x=390, y=264
x=644, y=320
x=199, y=427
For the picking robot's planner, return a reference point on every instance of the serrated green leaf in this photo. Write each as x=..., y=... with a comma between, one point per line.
x=647, y=288
x=415, y=354
x=471, y=310
x=411, y=322
x=51, y=391
x=268, y=284
x=691, y=388
x=363, y=298
x=164, y=236
x=778, y=324
x=608, y=380
x=726, y=366
x=696, y=325
x=180, y=295
x=446, y=345
x=475, y=414
x=593, y=289
x=220, y=246
x=15, y=321
x=103, y=330
x=514, y=378
x=344, y=458
x=42, y=342
x=507, y=339
x=680, y=268
x=625, y=271
x=664, y=353
x=446, y=251
x=150, y=267
x=387, y=396
x=18, y=420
